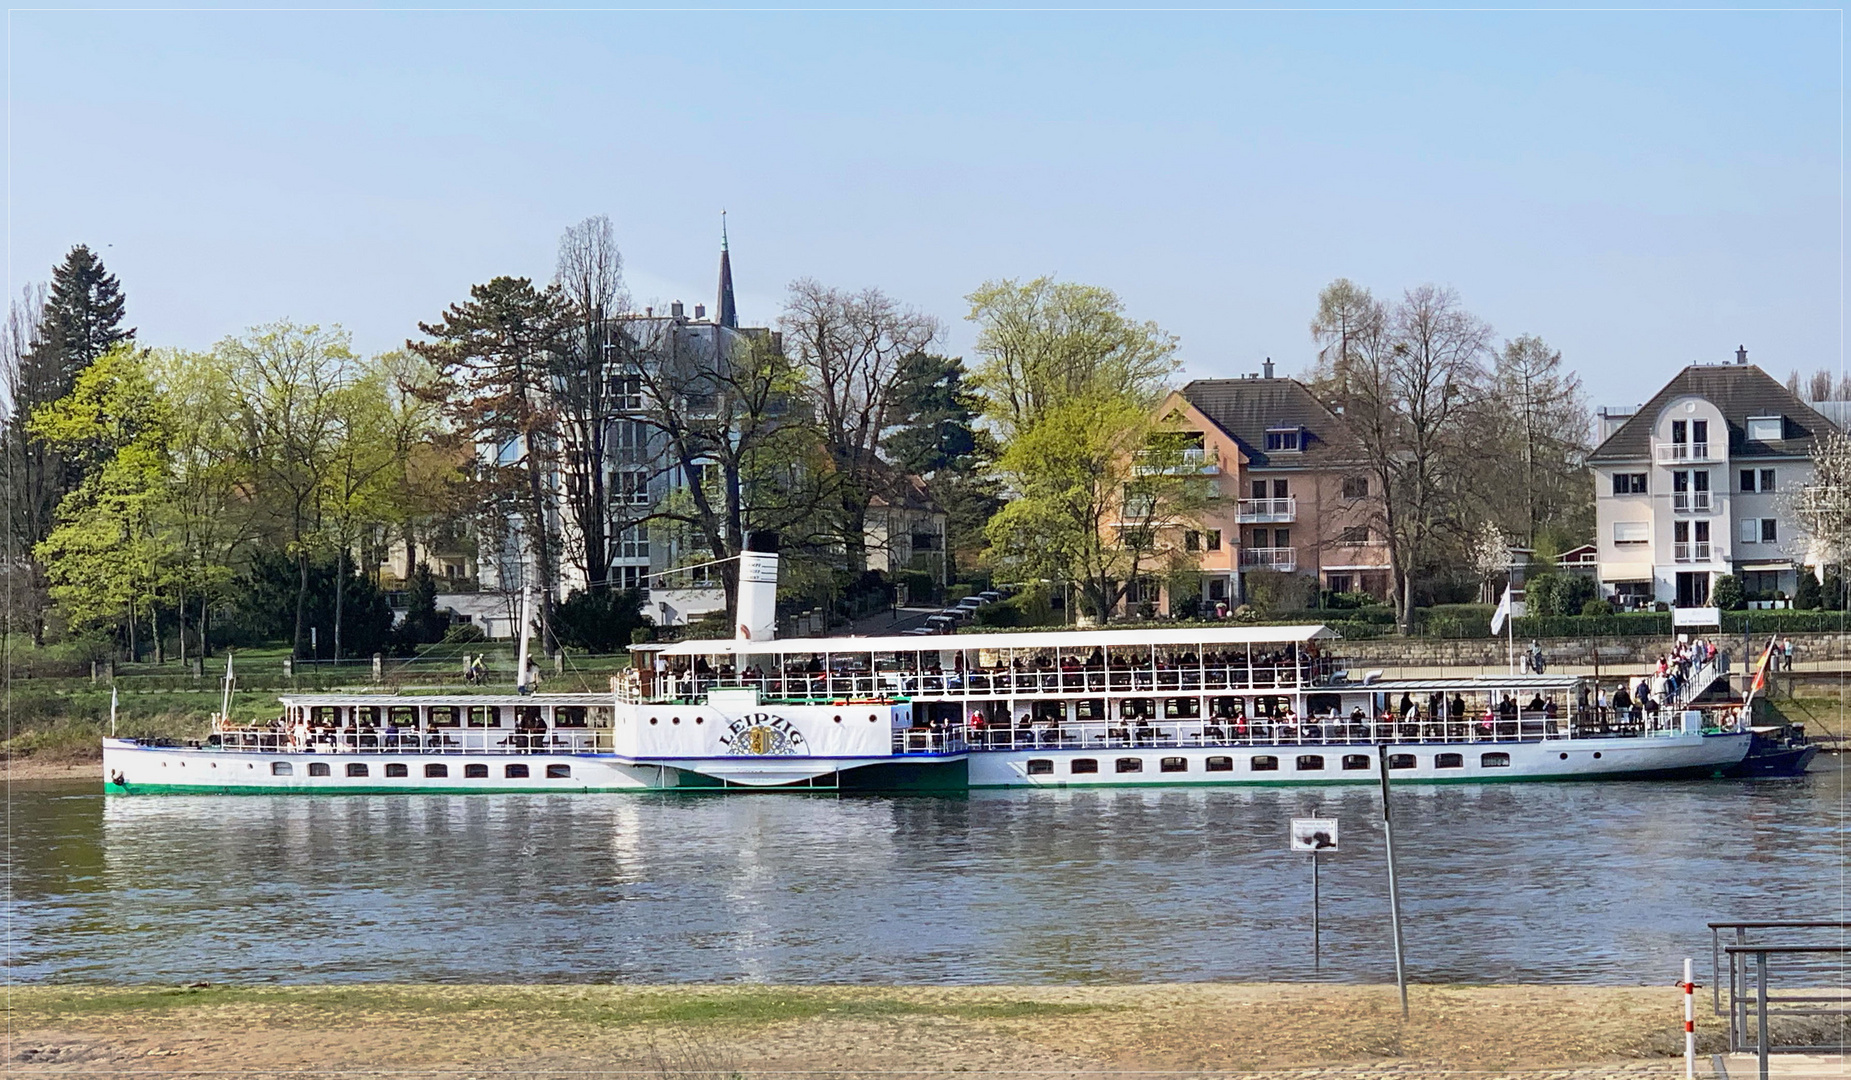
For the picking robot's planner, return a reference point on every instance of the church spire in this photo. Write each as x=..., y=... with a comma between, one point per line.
x=726, y=312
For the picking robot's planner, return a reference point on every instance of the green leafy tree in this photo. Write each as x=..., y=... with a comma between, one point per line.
x=1045, y=343
x=1095, y=500
x=109, y=555
x=1806, y=590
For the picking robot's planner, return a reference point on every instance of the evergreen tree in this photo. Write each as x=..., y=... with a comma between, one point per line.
x=937, y=438
x=51, y=339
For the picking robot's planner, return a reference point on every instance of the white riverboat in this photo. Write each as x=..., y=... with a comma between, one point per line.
x=1215, y=705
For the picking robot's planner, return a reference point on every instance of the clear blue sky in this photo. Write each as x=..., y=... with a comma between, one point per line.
x=1643, y=190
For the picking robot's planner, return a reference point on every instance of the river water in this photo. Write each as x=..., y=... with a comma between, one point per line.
x=1589, y=883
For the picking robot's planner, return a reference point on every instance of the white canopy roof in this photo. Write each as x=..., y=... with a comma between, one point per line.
x=1076, y=640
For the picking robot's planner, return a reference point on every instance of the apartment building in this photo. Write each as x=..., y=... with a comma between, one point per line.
x=1694, y=484
x=1294, y=497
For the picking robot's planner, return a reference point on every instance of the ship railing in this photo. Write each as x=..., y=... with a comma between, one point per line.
x=835, y=685
x=929, y=741
x=435, y=741
x=1133, y=734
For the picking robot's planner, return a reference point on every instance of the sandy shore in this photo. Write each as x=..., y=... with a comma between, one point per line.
x=848, y=1031
x=59, y=769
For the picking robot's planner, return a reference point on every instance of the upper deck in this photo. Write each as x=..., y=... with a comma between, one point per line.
x=1040, y=663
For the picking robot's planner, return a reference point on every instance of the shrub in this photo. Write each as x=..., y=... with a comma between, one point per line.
x=600, y=621
x=1596, y=607
x=1832, y=592
x=463, y=633
x=1806, y=593
x=1726, y=592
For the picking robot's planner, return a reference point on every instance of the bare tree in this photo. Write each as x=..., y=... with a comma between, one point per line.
x=590, y=279
x=849, y=349
x=1822, y=505
x=32, y=468
x=1416, y=375
x=1540, y=417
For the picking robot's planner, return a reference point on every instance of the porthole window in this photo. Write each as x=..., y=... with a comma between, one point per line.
x=1174, y=764
x=1084, y=765
x=1310, y=762
x=655, y=720
x=281, y=768
x=1596, y=755
x=475, y=772
x=559, y=772
x=700, y=720
x=516, y=771
x=1265, y=763
x=1449, y=761
x=1130, y=764
x=436, y=771
x=356, y=768
x=1356, y=761
x=397, y=768
x=872, y=719
x=1040, y=767
x=675, y=720
x=1220, y=764
x=1564, y=757
x=838, y=719
x=1401, y=761
x=1494, y=761
x=318, y=768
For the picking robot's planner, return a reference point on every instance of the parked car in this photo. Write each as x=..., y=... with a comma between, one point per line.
x=918, y=631
x=961, y=614
x=991, y=595
x=941, y=623
x=971, y=603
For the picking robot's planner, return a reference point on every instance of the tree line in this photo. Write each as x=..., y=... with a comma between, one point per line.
x=256, y=490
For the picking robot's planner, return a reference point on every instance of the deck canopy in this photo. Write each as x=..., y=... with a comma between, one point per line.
x=311, y=700
x=1544, y=684
x=1033, y=640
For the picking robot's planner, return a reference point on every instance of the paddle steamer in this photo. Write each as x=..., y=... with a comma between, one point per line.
x=1086, y=708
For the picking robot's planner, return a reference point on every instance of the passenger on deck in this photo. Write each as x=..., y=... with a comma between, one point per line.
x=1536, y=704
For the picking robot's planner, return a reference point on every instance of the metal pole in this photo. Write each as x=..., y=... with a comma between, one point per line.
x=1761, y=1039
x=1316, y=960
x=1394, y=888
x=1690, y=1024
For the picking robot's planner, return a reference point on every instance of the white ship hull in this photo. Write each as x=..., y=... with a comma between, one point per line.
x=1476, y=762
x=130, y=768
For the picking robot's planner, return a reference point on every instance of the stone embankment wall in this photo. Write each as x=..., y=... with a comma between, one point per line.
x=1616, y=652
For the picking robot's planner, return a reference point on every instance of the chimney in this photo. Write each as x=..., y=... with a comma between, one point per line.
x=649, y=313
x=700, y=311
x=674, y=310
x=1266, y=369
x=1741, y=354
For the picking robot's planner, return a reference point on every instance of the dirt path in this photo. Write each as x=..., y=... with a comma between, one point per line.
x=1198, y=1030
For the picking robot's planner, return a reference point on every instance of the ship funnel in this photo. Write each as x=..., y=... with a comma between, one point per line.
x=757, y=618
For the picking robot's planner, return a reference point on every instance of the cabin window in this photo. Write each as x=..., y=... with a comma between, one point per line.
x=1449, y=761
x=1174, y=764
x=1084, y=765
x=1401, y=761
x=1494, y=761
x=1310, y=762
x=1040, y=767
x=570, y=716
x=1136, y=708
x=442, y=716
x=1356, y=761
x=515, y=772
x=1220, y=763
x=1130, y=764
x=559, y=772
x=281, y=768
x=397, y=768
x=318, y=768
x=484, y=716
x=1265, y=763
x=436, y=771
x=403, y=716
x=1089, y=709
x=356, y=768
x=475, y=772
x=1182, y=707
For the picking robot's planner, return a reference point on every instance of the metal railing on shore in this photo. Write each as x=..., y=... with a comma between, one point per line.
x=1792, y=989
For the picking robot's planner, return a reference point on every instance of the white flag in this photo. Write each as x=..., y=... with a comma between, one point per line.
x=1501, y=614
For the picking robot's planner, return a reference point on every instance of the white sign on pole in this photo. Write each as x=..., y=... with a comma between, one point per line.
x=1314, y=834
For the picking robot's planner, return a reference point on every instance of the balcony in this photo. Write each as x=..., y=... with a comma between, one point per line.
x=1267, y=511
x=1282, y=559
x=1691, y=502
x=1679, y=453
x=1698, y=552
x=1186, y=462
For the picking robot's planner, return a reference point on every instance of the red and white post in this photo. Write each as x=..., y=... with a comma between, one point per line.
x=1690, y=1023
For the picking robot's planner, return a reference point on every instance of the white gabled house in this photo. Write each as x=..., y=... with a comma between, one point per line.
x=1692, y=486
